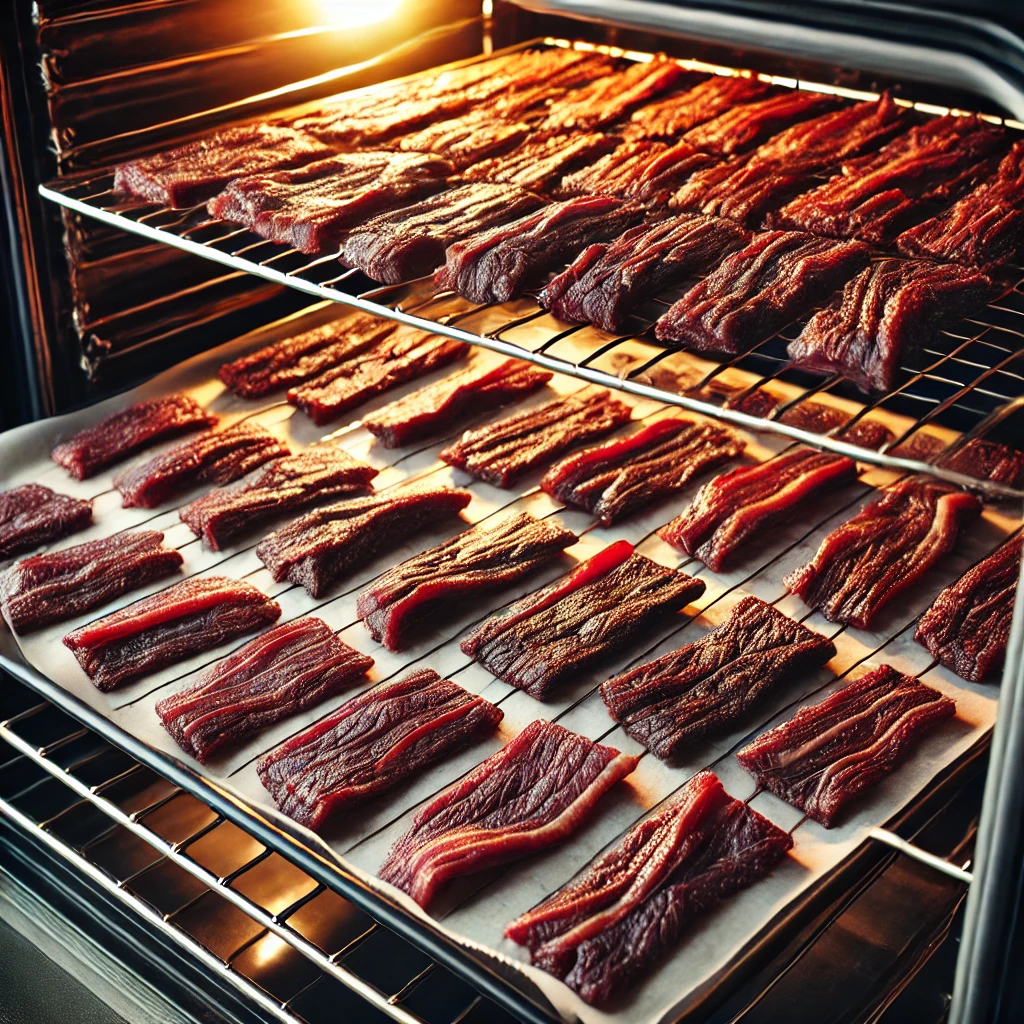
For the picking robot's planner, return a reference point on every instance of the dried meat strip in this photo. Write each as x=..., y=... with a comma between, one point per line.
x=289, y=668
x=829, y=753
x=864, y=563
x=502, y=263
x=443, y=404
x=291, y=484
x=128, y=431
x=613, y=480
x=729, y=511
x=319, y=548
x=759, y=289
x=639, y=170
x=581, y=620
x=32, y=515
x=476, y=562
x=672, y=116
x=883, y=316
x=373, y=743
x=185, y=619
x=607, y=281
x=704, y=688
x=502, y=452
x=968, y=626
x=534, y=792
x=216, y=457
x=986, y=460
x=466, y=140
x=601, y=932
x=59, y=585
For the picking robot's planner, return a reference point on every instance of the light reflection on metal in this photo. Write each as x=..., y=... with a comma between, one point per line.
x=354, y=13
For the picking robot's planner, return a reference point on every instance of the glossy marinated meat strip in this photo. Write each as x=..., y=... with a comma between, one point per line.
x=321, y=547
x=968, y=626
x=185, y=619
x=639, y=169
x=581, y=620
x=607, y=281
x=883, y=316
x=32, y=515
x=615, y=479
x=672, y=116
x=502, y=452
x=607, y=927
x=759, y=289
x=128, y=431
x=864, y=563
x=373, y=743
x=402, y=356
x=59, y=585
x=443, y=404
x=477, y=562
x=542, y=160
x=500, y=264
x=290, y=484
x=829, y=753
x=215, y=457
x=534, y=792
x=411, y=241
x=704, y=688
x=289, y=668
x=729, y=511
x=987, y=460
x=466, y=140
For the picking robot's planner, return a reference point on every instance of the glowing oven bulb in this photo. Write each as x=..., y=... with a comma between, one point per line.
x=352, y=13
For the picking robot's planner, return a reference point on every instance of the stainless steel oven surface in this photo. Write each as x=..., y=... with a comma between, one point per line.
x=357, y=148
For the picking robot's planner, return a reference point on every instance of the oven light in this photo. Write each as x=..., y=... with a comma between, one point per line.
x=352, y=13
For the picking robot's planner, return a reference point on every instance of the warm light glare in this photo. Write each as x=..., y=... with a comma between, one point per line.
x=352, y=13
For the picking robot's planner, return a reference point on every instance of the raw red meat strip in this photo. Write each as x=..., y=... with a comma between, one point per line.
x=730, y=510
x=534, y=792
x=502, y=452
x=883, y=316
x=500, y=264
x=406, y=354
x=443, y=404
x=968, y=626
x=671, y=116
x=759, y=290
x=126, y=432
x=584, y=619
x=703, y=688
x=185, y=619
x=864, y=563
x=373, y=743
x=321, y=547
x=476, y=562
x=828, y=753
x=282, y=672
x=59, y=585
x=542, y=160
x=603, y=930
x=286, y=485
x=607, y=281
x=32, y=515
x=615, y=479
x=190, y=174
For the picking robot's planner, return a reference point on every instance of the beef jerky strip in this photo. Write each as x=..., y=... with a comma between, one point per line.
x=883, y=316
x=185, y=619
x=476, y=562
x=864, y=563
x=639, y=169
x=124, y=433
x=613, y=480
x=373, y=743
x=607, y=281
x=968, y=626
x=729, y=511
x=704, y=688
x=466, y=140
x=601, y=932
x=829, y=753
x=289, y=668
x=672, y=116
x=760, y=289
x=534, y=792
x=32, y=515
x=987, y=460
x=502, y=452
x=319, y=548
x=610, y=601
x=291, y=484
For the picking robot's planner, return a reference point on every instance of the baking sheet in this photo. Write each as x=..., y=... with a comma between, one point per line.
x=476, y=909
